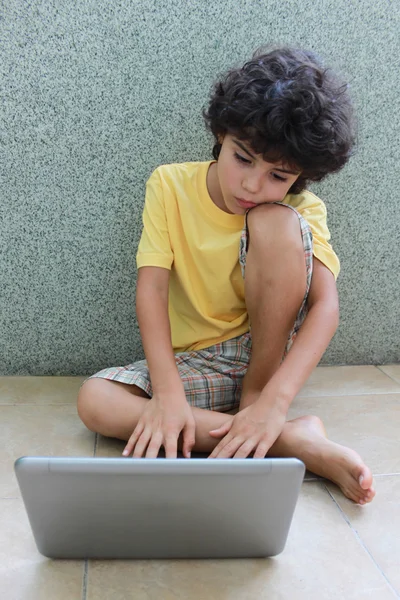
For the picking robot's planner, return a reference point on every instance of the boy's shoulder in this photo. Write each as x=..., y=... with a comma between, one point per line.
x=305, y=202
x=180, y=171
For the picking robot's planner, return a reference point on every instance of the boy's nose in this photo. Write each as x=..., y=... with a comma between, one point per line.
x=252, y=184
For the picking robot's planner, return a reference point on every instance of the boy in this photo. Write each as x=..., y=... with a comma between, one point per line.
x=229, y=245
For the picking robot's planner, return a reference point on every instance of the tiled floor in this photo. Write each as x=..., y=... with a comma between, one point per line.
x=335, y=550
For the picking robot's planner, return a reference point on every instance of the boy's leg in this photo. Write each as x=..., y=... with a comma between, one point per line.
x=305, y=438
x=275, y=285
x=113, y=409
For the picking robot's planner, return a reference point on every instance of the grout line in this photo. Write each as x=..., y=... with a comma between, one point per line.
x=86, y=564
x=85, y=579
x=387, y=374
x=361, y=542
x=385, y=474
x=346, y=394
x=345, y=517
x=300, y=395
x=36, y=403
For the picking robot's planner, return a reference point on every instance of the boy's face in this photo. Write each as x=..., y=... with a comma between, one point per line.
x=245, y=179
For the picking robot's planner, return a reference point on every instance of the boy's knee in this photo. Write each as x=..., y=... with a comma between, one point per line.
x=88, y=402
x=274, y=224
x=275, y=258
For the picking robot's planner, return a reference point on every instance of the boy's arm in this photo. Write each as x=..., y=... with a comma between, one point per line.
x=168, y=412
x=155, y=329
x=257, y=426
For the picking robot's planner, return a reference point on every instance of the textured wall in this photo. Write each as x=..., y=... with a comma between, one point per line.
x=95, y=94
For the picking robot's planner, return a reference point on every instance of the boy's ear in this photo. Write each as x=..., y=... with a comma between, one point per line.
x=220, y=138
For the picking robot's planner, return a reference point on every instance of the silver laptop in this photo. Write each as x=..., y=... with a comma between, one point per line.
x=159, y=508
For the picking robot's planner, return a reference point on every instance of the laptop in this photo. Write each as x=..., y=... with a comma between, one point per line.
x=120, y=508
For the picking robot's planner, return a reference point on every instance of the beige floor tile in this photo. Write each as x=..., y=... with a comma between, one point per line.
x=367, y=424
x=109, y=447
x=378, y=525
x=345, y=381
x=392, y=370
x=323, y=559
x=24, y=573
x=39, y=431
x=39, y=390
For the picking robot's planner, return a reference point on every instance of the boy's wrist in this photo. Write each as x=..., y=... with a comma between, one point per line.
x=165, y=386
x=280, y=397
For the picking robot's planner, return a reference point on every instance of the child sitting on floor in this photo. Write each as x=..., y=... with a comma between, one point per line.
x=236, y=293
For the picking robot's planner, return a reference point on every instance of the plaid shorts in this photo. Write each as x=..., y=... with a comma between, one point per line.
x=212, y=377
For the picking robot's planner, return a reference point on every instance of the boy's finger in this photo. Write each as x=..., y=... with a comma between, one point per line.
x=261, y=451
x=229, y=449
x=171, y=446
x=189, y=439
x=223, y=430
x=142, y=444
x=154, y=446
x=244, y=450
x=129, y=446
x=215, y=453
x=133, y=439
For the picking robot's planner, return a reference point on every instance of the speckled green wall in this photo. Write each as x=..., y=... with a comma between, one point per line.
x=95, y=94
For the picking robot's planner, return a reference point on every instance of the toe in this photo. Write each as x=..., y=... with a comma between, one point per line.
x=364, y=477
x=352, y=493
x=366, y=497
x=369, y=495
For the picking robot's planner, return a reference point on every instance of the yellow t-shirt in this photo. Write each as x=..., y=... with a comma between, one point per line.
x=185, y=232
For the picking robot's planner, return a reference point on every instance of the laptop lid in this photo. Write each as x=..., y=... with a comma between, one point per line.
x=159, y=508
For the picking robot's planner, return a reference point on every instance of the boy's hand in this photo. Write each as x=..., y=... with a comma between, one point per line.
x=161, y=423
x=254, y=428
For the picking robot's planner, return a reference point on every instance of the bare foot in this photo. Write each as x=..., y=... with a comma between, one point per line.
x=345, y=468
x=305, y=438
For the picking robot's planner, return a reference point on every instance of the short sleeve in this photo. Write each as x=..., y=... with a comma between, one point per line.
x=313, y=210
x=154, y=247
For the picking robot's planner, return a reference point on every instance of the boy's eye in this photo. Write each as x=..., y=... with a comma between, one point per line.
x=278, y=177
x=241, y=159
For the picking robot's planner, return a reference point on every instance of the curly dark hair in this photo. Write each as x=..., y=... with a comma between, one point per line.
x=288, y=108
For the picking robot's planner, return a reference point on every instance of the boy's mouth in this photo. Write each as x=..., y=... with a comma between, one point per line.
x=245, y=204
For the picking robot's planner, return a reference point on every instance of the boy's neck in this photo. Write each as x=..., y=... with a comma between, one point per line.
x=213, y=187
